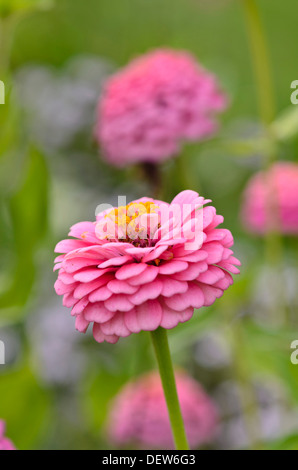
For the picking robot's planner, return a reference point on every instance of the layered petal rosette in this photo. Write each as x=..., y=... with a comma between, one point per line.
x=144, y=265
x=5, y=443
x=154, y=104
x=271, y=200
x=139, y=413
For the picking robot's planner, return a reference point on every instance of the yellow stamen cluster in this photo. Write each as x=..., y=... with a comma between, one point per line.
x=128, y=215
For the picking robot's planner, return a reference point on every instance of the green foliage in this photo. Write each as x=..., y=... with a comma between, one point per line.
x=287, y=443
x=285, y=127
x=27, y=211
x=24, y=405
x=9, y=7
x=98, y=398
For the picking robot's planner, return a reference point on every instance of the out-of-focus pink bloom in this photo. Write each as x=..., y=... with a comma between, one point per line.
x=5, y=444
x=271, y=200
x=139, y=414
x=158, y=101
x=144, y=265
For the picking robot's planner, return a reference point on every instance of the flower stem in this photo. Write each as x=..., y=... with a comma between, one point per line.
x=152, y=173
x=261, y=61
x=162, y=351
x=7, y=26
x=265, y=91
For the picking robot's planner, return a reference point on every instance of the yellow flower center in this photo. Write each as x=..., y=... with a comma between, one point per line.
x=129, y=216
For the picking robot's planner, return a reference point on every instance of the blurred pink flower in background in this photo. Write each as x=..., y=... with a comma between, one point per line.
x=272, y=198
x=139, y=414
x=154, y=104
x=144, y=265
x=5, y=444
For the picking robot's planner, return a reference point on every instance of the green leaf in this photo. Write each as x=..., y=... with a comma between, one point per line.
x=8, y=7
x=287, y=443
x=24, y=405
x=11, y=141
x=184, y=335
x=28, y=206
x=268, y=351
x=28, y=217
x=99, y=397
x=285, y=126
x=248, y=147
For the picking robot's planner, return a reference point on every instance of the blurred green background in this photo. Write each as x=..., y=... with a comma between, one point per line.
x=56, y=385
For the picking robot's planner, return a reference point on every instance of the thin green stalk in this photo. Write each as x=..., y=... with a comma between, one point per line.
x=273, y=242
x=152, y=173
x=265, y=92
x=162, y=351
x=7, y=26
x=186, y=179
x=261, y=61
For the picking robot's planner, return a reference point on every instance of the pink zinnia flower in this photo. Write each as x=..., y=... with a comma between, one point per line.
x=145, y=265
x=139, y=414
x=5, y=444
x=271, y=200
x=158, y=101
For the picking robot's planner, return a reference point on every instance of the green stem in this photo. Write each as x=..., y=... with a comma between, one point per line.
x=265, y=92
x=261, y=61
x=7, y=26
x=273, y=242
x=186, y=178
x=153, y=174
x=162, y=351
